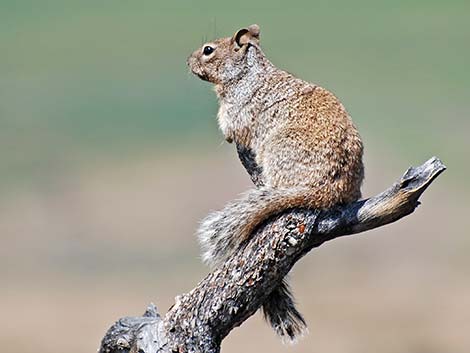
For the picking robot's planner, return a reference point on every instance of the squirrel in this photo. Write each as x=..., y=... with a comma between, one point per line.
x=302, y=146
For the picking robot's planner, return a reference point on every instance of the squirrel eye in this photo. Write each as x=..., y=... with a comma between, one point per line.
x=208, y=50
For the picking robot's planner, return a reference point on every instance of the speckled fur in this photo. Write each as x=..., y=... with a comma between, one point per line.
x=303, y=140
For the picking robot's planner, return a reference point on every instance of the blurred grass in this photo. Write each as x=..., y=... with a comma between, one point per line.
x=82, y=79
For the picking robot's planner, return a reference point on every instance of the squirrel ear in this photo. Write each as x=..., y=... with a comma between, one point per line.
x=247, y=35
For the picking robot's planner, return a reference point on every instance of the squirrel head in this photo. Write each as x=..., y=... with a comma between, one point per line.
x=224, y=60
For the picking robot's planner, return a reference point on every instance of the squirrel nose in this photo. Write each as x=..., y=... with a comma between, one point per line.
x=189, y=59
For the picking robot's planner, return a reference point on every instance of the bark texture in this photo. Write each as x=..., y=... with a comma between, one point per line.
x=200, y=319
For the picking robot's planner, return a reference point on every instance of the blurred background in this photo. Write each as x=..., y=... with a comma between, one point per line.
x=110, y=154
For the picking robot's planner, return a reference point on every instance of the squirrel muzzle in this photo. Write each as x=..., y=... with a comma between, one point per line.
x=195, y=67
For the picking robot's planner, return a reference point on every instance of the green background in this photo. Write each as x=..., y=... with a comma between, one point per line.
x=97, y=77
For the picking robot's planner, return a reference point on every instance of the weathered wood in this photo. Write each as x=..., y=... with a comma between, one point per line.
x=200, y=319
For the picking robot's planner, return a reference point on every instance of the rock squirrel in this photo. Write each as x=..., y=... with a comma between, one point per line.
x=304, y=146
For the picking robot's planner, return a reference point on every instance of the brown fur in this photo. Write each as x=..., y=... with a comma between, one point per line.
x=303, y=140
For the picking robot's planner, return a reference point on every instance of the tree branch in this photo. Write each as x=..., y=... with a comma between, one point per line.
x=200, y=319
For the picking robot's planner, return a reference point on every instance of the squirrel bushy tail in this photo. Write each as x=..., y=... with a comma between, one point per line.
x=222, y=232
x=280, y=311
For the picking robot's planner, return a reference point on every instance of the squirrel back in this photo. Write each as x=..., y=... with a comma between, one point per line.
x=306, y=150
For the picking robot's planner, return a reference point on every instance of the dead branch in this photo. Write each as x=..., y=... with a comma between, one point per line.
x=200, y=319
